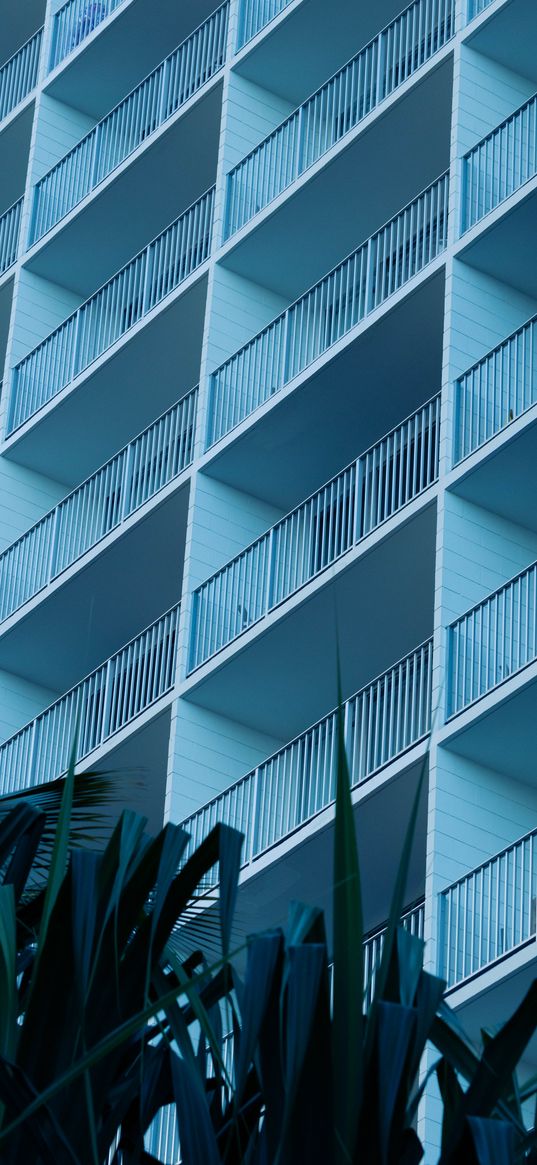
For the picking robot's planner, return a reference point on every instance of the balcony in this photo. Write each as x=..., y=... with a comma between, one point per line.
x=18, y=76
x=107, y=701
x=490, y=913
x=338, y=106
x=254, y=15
x=500, y=164
x=112, y=312
x=381, y=722
x=74, y=22
x=10, y=223
x=178, y=78
x=102, y=504
x=493, y=641
x=476, y=7
x=315, y=535
x=329, y=311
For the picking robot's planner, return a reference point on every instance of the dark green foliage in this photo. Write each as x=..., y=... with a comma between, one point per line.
x=102, y=1023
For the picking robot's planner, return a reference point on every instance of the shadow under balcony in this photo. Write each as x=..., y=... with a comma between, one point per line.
x=84, y=567
x=100, y=360
x=273, y=248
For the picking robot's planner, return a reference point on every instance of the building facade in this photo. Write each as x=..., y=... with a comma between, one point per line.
x=268, y=339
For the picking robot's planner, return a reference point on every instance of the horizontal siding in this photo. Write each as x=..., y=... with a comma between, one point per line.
x=20, y=702
x=251, y=114
x=488, y=94
x=208, y=753
x=41, y=307
x=60, y=127
x=239, y=310
x=223, y=522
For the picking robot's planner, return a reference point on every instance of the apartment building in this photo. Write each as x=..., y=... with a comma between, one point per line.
x=268, y=339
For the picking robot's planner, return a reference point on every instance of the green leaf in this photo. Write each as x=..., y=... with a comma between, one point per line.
x=8, y=977
x=60, y=850
x=198, y=1142
x=348, y=974
x=493, y=1140
x=395, y=1028
x=263, y=956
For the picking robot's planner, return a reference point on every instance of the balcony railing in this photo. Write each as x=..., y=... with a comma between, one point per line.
x=395, y=470
x=74, y=22
x=476, y=7
x=496, y=391
x=326, y=313
x=254, y=15
x=500, y=164
x=10, y=225
x=120, y=304
x=393, y=56
x=101, y=504
x=104, y=702
x=381, y=722
x=490, y=912
x=19, y=75
x=176, y=79
x=494, y=640
x=412, y=921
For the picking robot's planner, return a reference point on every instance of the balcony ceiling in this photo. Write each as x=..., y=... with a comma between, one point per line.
x=14, y=150
x=503, y=734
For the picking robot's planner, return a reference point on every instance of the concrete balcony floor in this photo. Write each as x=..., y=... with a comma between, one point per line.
x=81, y=618
x=389, y=144
x=373, y=601
x=115, y=386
